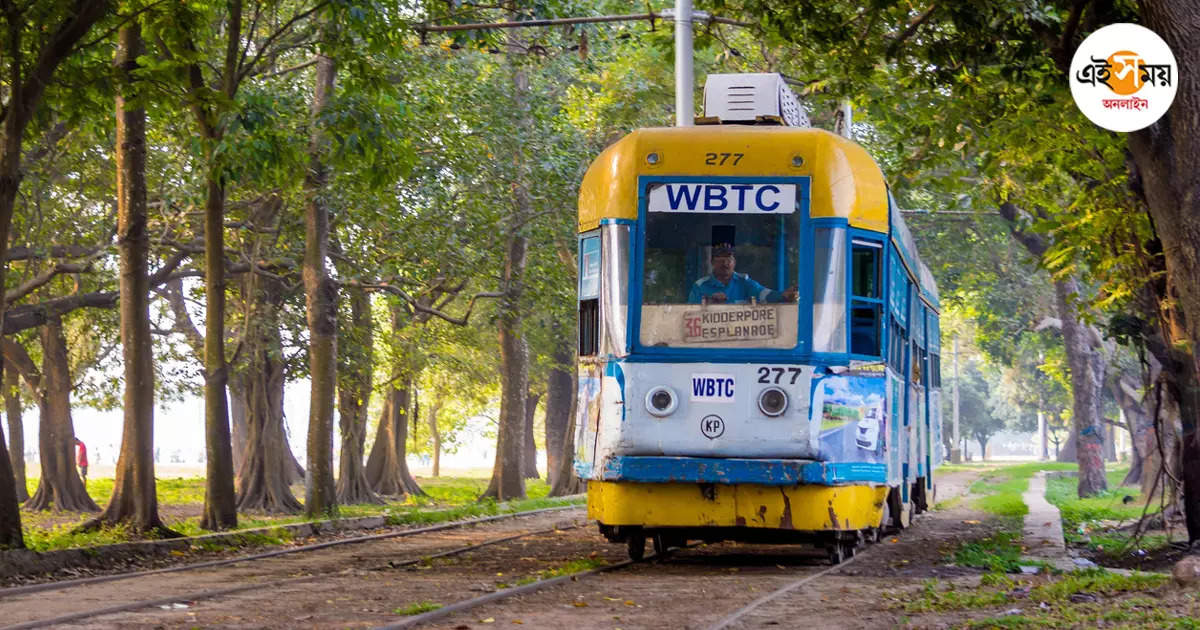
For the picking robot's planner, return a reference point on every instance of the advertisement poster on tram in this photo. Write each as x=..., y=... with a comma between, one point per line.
x=850, y=415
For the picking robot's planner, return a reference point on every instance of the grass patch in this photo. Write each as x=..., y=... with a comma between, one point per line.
x=1001, y=488
x=63, y=537
x=575, y=566
x=997, y=589
x=1000, y=552
x=1082, y=517
x=449, y=499
x=417, y=608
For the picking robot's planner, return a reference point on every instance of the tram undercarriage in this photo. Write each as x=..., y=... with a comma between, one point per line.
x=836, y=518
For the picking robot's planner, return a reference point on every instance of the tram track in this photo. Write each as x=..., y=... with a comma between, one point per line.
x=252, y=584
x=78, y=582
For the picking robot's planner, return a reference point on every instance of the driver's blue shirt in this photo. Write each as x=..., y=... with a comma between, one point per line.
x=740, y=289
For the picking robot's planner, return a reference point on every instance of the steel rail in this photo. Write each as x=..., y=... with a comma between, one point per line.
x=210, y=594
x=66, y=584
x=748, y=608
x=467, y=604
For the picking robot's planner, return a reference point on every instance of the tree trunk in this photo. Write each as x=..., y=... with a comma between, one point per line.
x=566, y=482
x=60, y=486
x=355, y=356
x=1140, y=426
x=529, y=459
x=508, y=480
x=25, y=85
x=387, y=466
x=560, y=390
x=1087, y=377
x=320, y=294
x=1167, y=156
x=983, y=454
x=16, y=431
x=220, y=499
x=239, y=431
x=263, y=484
x=1068, y=451
x=436, y=436
x=134, y=501
x=1043, y=446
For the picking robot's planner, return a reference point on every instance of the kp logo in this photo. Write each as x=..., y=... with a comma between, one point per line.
x=1123, y=60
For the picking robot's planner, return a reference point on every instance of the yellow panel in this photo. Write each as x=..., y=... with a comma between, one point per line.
x=845, y=181
x=679, y=504
x=802, y=508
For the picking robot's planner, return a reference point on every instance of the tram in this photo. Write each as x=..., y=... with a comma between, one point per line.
x=758, y=339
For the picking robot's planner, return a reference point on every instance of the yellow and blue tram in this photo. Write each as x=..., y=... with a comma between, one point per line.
x=758, y=339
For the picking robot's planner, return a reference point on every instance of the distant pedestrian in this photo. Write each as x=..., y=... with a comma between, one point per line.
x=82, y=460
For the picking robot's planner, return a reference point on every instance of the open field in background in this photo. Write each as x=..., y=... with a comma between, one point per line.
x=451, y=496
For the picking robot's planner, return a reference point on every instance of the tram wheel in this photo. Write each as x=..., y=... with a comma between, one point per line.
x=636, y=545
x=837, y=553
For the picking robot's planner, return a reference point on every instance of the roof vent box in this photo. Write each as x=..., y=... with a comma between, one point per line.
x=750, y=98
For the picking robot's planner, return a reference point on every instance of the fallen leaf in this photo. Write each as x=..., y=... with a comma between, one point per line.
x=629, y=602
x=488, y=620
x=518, y=621
x=579, y=604
x=969, y=522
x=611, y=599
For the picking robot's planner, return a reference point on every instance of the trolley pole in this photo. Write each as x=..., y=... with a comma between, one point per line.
x=956, y=451
x=684, y=112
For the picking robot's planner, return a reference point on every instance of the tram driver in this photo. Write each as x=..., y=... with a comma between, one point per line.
x=725, y=286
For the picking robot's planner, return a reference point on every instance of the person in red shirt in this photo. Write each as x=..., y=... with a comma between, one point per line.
x=82, y=460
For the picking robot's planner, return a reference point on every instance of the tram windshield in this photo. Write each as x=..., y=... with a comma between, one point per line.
x=712, y=280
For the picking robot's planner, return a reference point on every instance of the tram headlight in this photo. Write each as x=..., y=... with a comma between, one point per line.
x=772, y=401
x=661, y=401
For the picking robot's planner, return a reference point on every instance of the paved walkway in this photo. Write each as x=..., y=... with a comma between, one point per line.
x=1043, y=533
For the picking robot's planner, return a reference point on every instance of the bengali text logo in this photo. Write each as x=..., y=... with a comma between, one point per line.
x=1123, y=77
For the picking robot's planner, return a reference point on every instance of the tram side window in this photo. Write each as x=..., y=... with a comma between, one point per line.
x=589, y=295
x=935, y=371
x=866, y=302
x=918, y=368
x=589, y=327
x=896, y=345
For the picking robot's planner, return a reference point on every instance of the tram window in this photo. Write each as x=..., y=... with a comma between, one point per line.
x=864, y=329
x=865, y=259
x=680, y=283
x=866, y=307
x=829, y=290
x=935, y=371
x=918, y=364
x=589, y=327
x=896, y=345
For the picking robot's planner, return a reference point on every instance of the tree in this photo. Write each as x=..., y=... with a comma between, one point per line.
x=16, y=431
x=36, y=44
x=356, y=364
x=321, y=299
x=134, y=501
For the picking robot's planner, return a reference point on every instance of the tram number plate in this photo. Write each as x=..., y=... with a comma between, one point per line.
x=779, y=375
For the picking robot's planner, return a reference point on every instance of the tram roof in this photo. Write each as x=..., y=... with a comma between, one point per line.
x=845, y=182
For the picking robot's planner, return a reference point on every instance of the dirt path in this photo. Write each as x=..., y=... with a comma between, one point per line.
x=354, y=586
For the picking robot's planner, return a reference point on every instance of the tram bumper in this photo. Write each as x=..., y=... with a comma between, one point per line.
x=782, y=494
